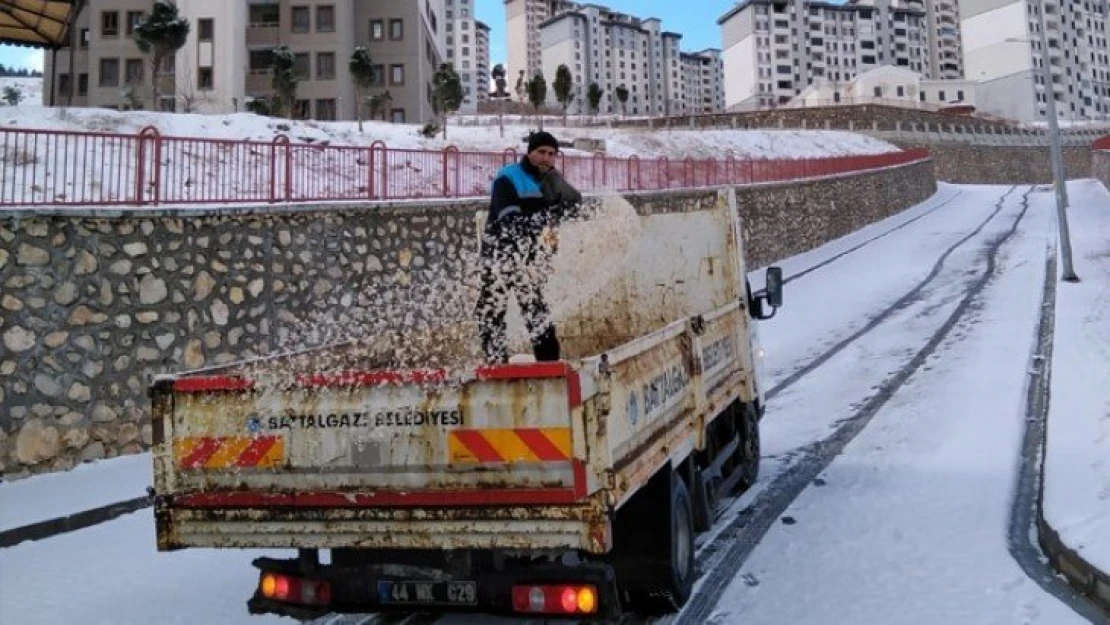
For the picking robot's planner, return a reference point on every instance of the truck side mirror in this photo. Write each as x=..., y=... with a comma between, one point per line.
x=774, y=286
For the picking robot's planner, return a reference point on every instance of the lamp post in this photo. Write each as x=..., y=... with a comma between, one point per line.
x=1059, y=175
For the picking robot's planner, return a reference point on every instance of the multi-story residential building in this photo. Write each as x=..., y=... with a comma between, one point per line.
x=774, y=50
x=467, y=43
x=225, y=62
x=1004, y=52
x=618, y=50
x=522, y=21
x=946, y=57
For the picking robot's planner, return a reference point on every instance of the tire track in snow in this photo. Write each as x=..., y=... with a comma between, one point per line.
x=1029, y=480
x=739, y=538
x=910, y=297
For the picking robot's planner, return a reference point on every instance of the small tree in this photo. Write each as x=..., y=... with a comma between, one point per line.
x=447, y=93
x=622, y=96
x=12, y=95
x=283, y=81
x=537, y=95
x=594, y=96
x=362, y=73
x=521, y=88
x=564, y=85
x=160, y=35
x=379, y=102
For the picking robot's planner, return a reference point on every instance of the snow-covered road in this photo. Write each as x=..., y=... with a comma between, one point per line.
x=892, y=446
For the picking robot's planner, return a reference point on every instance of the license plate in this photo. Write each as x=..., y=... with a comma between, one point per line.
x=427, y=593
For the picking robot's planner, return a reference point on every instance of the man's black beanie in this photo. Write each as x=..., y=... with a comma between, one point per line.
x=542, y=139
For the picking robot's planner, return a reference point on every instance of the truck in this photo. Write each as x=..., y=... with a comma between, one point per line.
x=560, y=489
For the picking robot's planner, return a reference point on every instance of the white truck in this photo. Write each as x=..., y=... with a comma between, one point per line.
x=570, y=488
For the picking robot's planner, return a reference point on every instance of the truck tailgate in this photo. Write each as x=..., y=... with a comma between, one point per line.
x=364, y=441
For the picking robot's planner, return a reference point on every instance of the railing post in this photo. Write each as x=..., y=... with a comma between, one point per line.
x=663, y=174
x=148, y=133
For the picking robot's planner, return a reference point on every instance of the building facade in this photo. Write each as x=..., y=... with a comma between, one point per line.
x=225, y=63
x=890, y=84
x=1004, y=52
x=774, y=50
x=620, y=51
x=467, y=46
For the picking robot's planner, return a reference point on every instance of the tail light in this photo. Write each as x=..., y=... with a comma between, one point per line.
x=289, y=589
x=555, y=599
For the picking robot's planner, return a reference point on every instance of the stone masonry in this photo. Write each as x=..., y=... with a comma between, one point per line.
x=1100, y=166
x=93, y=303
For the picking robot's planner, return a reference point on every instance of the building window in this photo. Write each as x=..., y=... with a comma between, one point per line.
x=133, y=72
x=325, y=110
x=109, y=24
x=205, y=29
x=302, y=109
x=133, y=19
x=204, y=79
x=260, y=60
x=82, y=84
x=265, y=15
x=377, y=75
x=63, y=85
x=377, y=30
x=940, y=96
x=301, y=66
x=300, y=19
x=397, y=74
x=325, y=65
x=84, y=43
x=960, y=96
x=397, y=116
x=396, y=30
x=901, y=91
x=109, y=73
x=325, y=19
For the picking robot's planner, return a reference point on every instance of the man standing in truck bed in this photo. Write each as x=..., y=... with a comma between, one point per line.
x=527, y=197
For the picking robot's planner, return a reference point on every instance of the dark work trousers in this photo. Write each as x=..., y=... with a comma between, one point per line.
x=509, y=260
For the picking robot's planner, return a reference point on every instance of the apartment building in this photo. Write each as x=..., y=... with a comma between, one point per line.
x=522, y=21
x=225, y=63
x=774, y=50
x=1003, y=51
x=107, y=68
x=467, y=45
x=615, y=49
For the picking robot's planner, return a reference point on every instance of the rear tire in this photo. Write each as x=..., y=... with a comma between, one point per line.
x=659, y=573
x=747, y=455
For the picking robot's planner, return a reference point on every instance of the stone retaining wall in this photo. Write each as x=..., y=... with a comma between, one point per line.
x=1100, y=166
x=92, y=303
x=961, y=163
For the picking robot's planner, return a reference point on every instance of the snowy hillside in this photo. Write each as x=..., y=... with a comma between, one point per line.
x=620, y=143
x=31, y=88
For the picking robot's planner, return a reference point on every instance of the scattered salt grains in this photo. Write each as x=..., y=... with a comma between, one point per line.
x=429, y=320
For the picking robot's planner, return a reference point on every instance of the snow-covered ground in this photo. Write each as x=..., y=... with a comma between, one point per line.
x=674, y=144
x=1077, y=466
x=924, y=337
x=30, y=88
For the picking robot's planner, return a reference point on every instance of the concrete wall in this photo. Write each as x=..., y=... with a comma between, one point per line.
x=93, y=304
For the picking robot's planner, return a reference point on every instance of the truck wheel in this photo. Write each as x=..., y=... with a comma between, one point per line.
x=748, y=452
x=672, y=579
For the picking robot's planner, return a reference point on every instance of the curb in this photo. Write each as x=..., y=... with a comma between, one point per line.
x=73, y=522
x=1087, y=580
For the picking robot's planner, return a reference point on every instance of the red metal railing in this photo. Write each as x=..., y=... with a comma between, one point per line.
x=1101, y=144
x=47, y=167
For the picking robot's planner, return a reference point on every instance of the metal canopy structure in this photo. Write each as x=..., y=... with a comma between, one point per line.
x=36, y=23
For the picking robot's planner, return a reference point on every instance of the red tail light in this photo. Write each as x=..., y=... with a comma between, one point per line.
x=555, y=599
x=294, y=589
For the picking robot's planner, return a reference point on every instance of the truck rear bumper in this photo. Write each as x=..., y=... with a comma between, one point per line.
x=581, y=527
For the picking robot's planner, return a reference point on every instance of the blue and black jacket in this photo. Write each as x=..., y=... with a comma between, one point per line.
x=529, y=199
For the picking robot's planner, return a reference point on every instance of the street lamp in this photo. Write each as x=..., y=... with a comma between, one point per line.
x=1056, y=153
